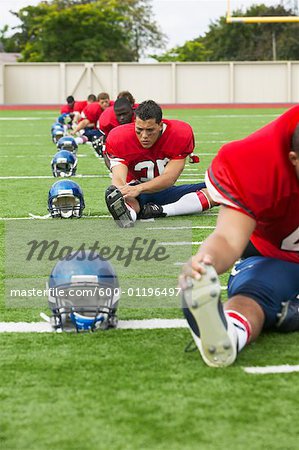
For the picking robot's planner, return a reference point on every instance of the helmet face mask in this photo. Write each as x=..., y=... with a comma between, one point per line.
x=87, y=302
x=66, y=206
x=66, y=200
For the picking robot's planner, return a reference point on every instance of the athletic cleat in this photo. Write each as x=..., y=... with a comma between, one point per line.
x=288, y=318
x=117, y=207
x=151, y=211
x=98, y=144
x=213, y=335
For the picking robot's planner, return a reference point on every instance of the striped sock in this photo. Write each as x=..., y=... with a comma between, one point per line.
x=192, y=203
x=242, y=327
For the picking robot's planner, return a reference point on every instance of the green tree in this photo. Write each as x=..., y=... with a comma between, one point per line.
x=7, y=43
x=190, y=51
x=243, y=42
x=86, y=30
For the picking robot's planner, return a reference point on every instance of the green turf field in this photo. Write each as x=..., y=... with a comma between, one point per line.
x=126, y=389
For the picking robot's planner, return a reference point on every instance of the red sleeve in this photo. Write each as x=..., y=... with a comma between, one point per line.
x=92, y=112
x=79, y=106
x=108, y=120
x=177, y=140
x=66, y=109
x=248, y=174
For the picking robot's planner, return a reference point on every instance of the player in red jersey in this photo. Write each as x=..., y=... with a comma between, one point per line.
x=90, y=115
x=118, y=114
x=69, y=107
x=256, y=180
x=111, y=118
x=146, y=159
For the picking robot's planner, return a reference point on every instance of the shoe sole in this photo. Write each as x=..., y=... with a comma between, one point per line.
x=212, y=334
x=117, y=208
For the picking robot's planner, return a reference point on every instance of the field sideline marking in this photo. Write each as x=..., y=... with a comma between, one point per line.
x=81, y=155
x=264, y=370
x=48, y=177
x=106, y=216
x=24, y=118
x=44, y=327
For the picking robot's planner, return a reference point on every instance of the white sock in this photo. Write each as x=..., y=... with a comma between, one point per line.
x=192, y=203
x=132, y=212
x=242, y=327
x=81, y=140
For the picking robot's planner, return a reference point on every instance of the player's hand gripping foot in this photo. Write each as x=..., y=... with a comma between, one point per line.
x=117, y=207
x=214, y=337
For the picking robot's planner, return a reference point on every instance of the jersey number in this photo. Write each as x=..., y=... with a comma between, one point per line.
x=150, y=168
x=291, y=242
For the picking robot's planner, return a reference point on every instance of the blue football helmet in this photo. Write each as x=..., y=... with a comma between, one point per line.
x=64, y=164
x=65, y=118
x=57, y=133
x=83, y=293
x=65, y=200
x=67, y=143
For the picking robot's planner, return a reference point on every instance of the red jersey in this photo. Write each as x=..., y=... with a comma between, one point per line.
x=92, y=112
x=108, y=120
x=123, y=147
x=66, y=109
x=79, y=106
x=254, y=175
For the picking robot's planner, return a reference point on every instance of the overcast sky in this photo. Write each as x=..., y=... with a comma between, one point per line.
x=180, y=20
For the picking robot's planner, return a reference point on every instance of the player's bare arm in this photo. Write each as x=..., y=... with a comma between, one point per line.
x=81, y=125
x=119, y=175
x=225, y=245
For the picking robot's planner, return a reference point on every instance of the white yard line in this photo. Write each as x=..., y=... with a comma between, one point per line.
x=264, y=370
x=180, y=243
x=81, y=155
x=47, y=177
x=44, y=327
x=196, y=227
x=104, y=216
x=22, y=118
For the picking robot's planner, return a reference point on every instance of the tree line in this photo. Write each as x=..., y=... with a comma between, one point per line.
x=124, y=30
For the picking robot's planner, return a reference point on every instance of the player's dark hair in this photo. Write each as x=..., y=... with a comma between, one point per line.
x=149, y=110
x=122, y=102
x=91, y=98
x=127, y=95
x=295, y=140
x=70, y=99
x=103, y=96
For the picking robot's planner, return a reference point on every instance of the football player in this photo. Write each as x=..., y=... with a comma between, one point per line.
x=146, y=159
x=69, y=107
x=256, y=181
x=88, y=126
x=120, y=113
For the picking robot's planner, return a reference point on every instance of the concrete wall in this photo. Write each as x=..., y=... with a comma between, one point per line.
x=231, y=82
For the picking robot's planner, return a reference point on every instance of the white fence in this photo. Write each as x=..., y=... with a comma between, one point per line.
x=219, y=82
